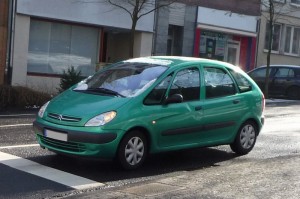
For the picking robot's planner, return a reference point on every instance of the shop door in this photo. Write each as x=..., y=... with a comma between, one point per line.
x=233, y=53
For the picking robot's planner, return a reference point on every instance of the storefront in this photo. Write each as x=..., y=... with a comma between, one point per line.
x=226, y=38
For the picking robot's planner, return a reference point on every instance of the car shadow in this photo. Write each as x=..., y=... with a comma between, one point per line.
x=156, y=164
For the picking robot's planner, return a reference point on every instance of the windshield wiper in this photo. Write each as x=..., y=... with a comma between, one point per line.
x=105, y=91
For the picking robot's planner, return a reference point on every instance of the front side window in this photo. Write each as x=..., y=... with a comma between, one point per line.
x=156, y=96
x=218, y=83
x=187, y=83
x=55, y=47
x=259, y=73
x=125, y=79
x=275, y=39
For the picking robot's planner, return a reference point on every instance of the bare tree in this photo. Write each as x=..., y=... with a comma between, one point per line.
x=137, y=9
x=275, y=10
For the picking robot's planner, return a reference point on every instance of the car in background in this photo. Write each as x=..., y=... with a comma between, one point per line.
x=284, y=80
x=153, y=104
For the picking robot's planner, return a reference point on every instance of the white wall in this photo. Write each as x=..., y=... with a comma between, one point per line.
x=143, y=44
x=226, y=19
x=88, y=13
x=20, y=50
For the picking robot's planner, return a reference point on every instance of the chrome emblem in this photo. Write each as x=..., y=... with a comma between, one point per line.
x=60, y=117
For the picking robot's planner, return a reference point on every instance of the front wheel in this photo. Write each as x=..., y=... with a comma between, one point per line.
x=245, y=138
x=132, y=150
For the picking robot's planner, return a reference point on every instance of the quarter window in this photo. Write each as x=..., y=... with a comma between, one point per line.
x=242, y=83
x=187, y=83
x=218, y=83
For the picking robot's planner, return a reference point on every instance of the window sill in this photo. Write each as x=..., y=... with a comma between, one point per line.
x=273, y=52
x=295, y=5
x=43, y=75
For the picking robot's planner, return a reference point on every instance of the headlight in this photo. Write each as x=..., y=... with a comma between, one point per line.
x=101, y=119
x=42, y=109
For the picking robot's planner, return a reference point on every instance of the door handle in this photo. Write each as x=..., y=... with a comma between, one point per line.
x=236, y=101
x=198, y=108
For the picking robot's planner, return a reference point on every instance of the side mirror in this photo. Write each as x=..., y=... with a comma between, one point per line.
x=176, y=98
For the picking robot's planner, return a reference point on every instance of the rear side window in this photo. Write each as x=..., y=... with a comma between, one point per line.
x=242, y=82
x=285, y=72
x=218, y=83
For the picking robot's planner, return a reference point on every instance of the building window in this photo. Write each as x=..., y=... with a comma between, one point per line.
x=212, y=45
x=295, y=1
x=54, y=47
x=292, y=40
x=175, y=39
x=275, y=38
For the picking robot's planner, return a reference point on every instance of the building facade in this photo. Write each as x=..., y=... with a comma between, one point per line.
x=286, y=37
x=210, y=29
x=51, y=36
x=4, y=29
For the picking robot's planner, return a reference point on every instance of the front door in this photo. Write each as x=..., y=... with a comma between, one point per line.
x=178, y=124
x=233, y=53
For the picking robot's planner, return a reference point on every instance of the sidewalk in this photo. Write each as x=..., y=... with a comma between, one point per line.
x=270, y=178
x=272, y=101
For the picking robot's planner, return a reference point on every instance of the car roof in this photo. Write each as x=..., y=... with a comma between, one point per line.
x=281, y=65
x=171, y=61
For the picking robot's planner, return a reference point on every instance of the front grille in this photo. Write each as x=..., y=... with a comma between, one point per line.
x=63, y=117
x=66, y=146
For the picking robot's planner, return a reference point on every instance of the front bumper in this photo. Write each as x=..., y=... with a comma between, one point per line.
x=78, y=142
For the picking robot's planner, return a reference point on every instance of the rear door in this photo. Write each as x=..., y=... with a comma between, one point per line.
x=283, y=78
x=223, y=105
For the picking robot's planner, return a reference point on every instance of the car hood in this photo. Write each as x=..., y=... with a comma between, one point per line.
x=82, y=105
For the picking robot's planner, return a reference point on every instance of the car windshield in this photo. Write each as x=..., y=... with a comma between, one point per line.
x=125, y=79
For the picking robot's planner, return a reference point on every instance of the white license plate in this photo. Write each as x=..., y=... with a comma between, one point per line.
x=56, y=135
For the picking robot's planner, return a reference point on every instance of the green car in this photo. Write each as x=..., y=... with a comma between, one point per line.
x=142, y=106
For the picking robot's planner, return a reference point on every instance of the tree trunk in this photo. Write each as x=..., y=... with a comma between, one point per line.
x=132, y=33
x=271, y=25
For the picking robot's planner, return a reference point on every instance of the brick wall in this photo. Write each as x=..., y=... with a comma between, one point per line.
x=3, y=37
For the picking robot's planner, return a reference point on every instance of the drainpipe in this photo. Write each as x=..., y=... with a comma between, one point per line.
x=11, y=22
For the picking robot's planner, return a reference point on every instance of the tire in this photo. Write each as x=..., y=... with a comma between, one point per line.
x=245, y=138
x=132, y=150
x=293, y=93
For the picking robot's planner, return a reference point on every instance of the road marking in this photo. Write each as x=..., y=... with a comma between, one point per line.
x=15, y=125
x=19, y=146
x=18, y=115
x=28, y=166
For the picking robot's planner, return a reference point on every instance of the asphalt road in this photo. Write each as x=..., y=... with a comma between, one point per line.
x=271, y=169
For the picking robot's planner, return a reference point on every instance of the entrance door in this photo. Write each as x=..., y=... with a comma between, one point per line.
x=233, y=53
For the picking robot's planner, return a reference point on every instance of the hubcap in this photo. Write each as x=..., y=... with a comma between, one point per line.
x=247, y=136
x=134, y=151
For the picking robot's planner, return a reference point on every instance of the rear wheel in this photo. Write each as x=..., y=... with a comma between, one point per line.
x=245, y=138
x=132, y=150
x=293, y=93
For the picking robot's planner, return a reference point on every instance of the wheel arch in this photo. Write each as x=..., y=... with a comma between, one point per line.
x=254, y=121
x=142, y=130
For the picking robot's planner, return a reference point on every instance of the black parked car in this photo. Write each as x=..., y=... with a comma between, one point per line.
x=284, y=80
